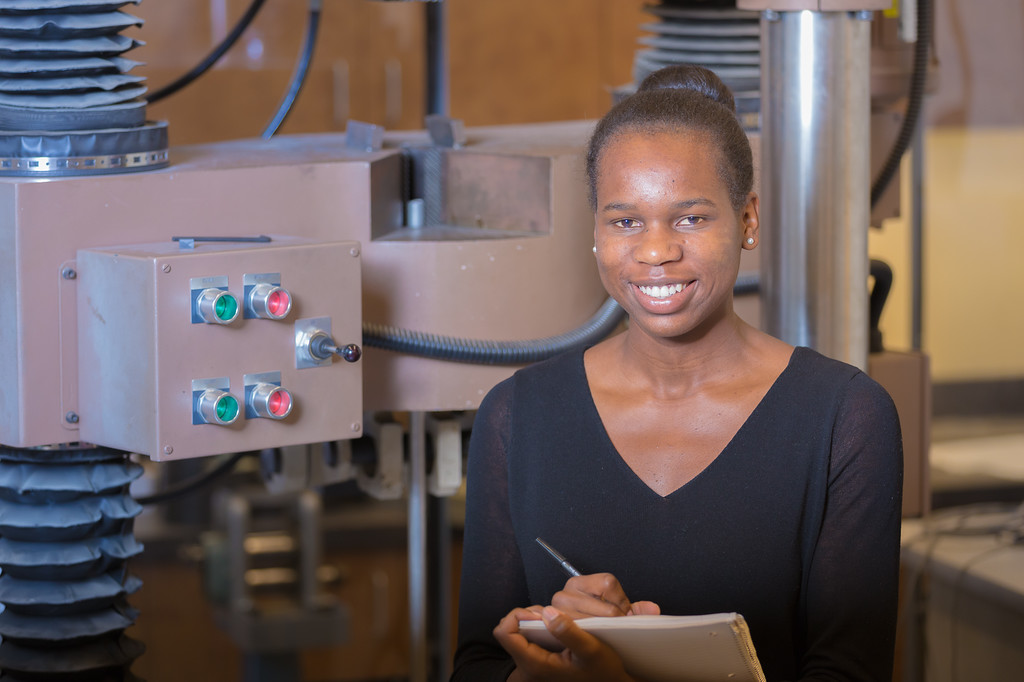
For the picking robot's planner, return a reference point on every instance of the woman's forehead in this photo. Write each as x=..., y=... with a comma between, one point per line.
x=672, y=156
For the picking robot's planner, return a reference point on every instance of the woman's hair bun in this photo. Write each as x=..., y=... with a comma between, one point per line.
x=690, y=77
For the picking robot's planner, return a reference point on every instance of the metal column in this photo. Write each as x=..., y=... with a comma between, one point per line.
x=431, y=637
x=815, y=181
x=418, y=647
x=437, y=57
x=917, y=239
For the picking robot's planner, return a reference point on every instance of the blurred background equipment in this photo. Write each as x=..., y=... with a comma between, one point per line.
x=322, y=299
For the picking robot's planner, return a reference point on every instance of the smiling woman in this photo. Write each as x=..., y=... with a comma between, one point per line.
x=668, y=240
x=692, y=462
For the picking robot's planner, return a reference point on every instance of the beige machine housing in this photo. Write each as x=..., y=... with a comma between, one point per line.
x=510, y=260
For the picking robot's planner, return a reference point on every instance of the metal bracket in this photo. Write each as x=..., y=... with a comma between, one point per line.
x=388, y=481
x=446, y=477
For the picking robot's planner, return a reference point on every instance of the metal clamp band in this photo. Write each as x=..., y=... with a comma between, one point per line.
x=47, y=164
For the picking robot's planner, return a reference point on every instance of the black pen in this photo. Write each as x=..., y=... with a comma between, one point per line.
x=562, y=561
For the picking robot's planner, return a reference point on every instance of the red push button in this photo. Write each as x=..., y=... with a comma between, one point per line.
x=270, y=401
x=269, y=301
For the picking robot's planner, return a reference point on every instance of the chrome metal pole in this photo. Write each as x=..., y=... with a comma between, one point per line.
x=815, y=180
x=437, y=57
x=418, y=654
x=917, y=239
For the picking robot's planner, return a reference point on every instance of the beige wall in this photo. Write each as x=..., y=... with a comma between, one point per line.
x=973, y=182
x=973, y=317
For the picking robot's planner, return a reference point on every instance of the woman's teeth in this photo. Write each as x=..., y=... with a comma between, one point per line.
x=663, y=291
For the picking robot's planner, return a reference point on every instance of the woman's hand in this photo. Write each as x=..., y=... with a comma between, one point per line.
x=584, y=659
x=599, y=594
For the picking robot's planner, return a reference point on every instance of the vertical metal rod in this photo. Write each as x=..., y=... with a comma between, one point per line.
x=441, y=592
x=417, y=547
x=437, y=57
x=437, y=103
x=308, y=507
x=917, y=238
x=238, y=513
x=815, y=180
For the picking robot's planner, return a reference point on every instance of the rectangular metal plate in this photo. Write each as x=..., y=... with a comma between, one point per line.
x=139, y=355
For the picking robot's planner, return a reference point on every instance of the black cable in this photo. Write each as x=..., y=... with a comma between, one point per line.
x=486, y=352
x=196, y=482
x=301, y=69
x=229, y=40
x=915, y=100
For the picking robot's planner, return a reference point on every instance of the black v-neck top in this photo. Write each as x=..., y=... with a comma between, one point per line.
x=795, y=525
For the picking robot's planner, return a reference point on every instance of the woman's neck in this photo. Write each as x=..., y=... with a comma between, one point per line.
x=682, y=365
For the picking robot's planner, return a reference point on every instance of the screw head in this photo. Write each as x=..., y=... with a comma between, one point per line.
x=354, y=251
x=68, y=273
x=356, y=427
x=167, y=448
x=166, y=267
x=71, y=418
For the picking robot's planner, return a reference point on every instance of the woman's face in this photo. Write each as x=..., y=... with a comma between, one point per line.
x=668, y=240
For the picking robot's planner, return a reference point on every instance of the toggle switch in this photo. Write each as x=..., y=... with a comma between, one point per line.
x=315, y=347
x=265, y=398
x=322, y=346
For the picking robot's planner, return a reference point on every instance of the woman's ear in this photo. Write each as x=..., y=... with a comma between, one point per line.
x=751, y=220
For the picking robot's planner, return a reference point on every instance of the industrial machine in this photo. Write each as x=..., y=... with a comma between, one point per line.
x=256, y=295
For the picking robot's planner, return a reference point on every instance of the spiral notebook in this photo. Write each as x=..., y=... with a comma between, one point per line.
x=704, y=648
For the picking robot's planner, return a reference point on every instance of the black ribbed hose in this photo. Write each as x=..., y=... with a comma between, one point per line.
x=915, y=101
x=482, y=352
x=229, y=41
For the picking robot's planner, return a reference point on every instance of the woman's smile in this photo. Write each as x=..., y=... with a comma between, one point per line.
x=664, y=298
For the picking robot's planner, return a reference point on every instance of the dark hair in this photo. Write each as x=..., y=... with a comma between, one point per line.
x=683, y=98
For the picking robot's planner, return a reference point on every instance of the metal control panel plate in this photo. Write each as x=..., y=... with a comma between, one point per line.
x=142, y=354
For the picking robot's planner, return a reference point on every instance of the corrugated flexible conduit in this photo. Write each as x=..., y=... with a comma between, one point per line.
x=486, y=352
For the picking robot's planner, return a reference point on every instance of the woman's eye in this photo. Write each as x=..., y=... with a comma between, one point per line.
x=690, y=221
x=627, y=223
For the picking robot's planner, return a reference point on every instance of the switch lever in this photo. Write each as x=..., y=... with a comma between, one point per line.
x=322, y=346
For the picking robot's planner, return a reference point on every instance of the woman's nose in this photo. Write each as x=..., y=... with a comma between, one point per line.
x=658, y=245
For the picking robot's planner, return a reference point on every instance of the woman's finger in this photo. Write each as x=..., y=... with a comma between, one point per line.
x=598, y=594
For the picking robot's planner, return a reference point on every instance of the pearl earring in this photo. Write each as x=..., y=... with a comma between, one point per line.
x=595, y=248
x=750, y=240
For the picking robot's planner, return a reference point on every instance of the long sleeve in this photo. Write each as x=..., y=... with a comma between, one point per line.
x=492, y=582
x=850, y=593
